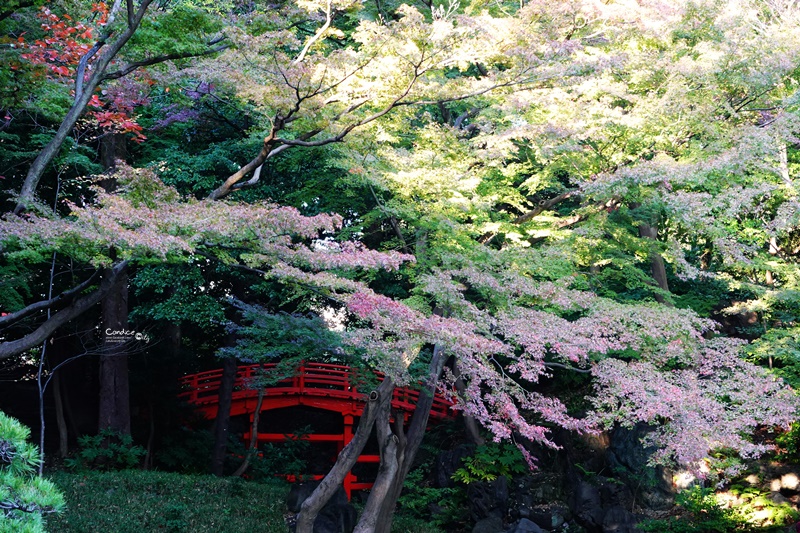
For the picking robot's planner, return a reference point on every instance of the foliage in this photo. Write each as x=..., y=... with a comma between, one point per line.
x=439, y=506
x=491, y=461
x=107, y=450
x=186, y=451
x=551, y=165
x=705, y=514
x=290, y=458
x=25, y=499
x=131, y=501
x=788, y=444
x=270, y=337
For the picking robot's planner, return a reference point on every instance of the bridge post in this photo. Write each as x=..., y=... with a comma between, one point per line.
x=347, y=436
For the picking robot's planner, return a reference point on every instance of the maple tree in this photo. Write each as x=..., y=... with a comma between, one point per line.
x=567, y=177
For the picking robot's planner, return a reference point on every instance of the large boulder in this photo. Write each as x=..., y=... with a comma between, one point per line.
x=546, y=517
x=525, y=526
x=619, y=520
x=301, y=491
x=447, y=462
x=488, y=498
x=628, y=459
x=336, y=518
x=490, y=524
x=586, y=505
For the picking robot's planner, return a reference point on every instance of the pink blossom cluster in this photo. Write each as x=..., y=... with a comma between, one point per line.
x=148, y=221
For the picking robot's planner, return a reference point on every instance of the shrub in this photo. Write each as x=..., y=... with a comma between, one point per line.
x=705, y=514
x=491, y=461
x=24, y=498
x=108, y=450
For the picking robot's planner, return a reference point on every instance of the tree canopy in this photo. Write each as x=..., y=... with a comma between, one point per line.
x=493, y=197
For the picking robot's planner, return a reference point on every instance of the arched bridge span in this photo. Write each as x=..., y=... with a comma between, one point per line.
x=325, y=386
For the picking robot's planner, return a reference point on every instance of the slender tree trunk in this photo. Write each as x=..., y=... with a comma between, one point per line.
x=470, y=424
x=252, y=448
x=405, y=451
x=346, y=460
x=773, y=250
x=221, y=424
x=63, y=435
x=657, y=266
x=115, y=411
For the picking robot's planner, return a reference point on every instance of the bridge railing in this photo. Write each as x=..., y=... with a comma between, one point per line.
x=310, y=379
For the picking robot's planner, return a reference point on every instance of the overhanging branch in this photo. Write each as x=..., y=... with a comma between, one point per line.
x=43, y=332
x=64, y=297
x=160, y=59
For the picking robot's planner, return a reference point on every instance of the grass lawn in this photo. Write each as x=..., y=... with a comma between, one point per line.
x=136, y=501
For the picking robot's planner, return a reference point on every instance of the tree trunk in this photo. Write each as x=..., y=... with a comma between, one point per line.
x=223, y=415
x=657, y=266
x=63, y=435
x=114, y=386
x=252, y=448
x=470, y=424
x=113, y=148
x=406, y=449
x=346, y=460
x=387, y=470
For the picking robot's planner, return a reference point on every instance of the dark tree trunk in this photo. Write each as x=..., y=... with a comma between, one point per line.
x=115, y=410
x=113, y=148
x=63, y=434
x=222, y=422
x=114, y=387
x=657, y=266
x=470, y=424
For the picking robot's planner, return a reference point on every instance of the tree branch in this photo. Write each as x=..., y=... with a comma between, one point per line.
x=160, y=59
x=565, y=367
x=316, y=37
x=544, y=205
x=45, y=304
x=43, y=332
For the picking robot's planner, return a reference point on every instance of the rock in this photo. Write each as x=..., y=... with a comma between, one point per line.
x=552, y=517
x=587, y=506
x=338, y=516
x=615, y=493
x=490, y=524
x=487, y=498
x=619, y=520
x=541, y=488
x=447, y=463
x=628, y=458
x=777, y=497
x=525, y=526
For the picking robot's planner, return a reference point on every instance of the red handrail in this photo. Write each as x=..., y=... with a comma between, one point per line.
x=323, y=385
x=311, y=379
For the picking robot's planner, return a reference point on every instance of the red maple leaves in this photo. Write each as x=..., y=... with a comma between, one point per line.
x=60, y=51
x=64, y=44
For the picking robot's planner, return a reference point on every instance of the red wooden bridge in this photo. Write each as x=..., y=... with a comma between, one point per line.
x=319, y=385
